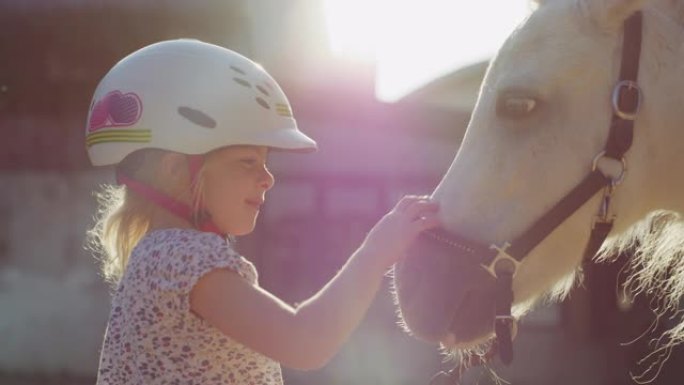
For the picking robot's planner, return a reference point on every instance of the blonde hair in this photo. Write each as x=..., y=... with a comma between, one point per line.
x=124, y=217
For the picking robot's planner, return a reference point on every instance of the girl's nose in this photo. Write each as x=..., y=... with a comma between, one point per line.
x=267, y=180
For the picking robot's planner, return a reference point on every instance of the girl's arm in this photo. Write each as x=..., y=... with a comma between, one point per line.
x=307, y=337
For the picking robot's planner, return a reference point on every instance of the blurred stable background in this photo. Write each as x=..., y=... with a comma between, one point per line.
x=376, y=144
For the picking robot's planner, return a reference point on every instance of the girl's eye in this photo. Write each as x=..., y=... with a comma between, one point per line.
x=248, y=161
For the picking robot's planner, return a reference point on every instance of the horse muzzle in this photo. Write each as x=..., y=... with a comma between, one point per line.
x=443, y=297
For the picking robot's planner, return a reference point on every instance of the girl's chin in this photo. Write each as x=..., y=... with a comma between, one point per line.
x=238, y=232
x=242, y=228
x=239, y=223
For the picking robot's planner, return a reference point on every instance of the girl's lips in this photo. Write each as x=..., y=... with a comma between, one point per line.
x=254, y=203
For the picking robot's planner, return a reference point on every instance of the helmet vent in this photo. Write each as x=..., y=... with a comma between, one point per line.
x=262, y=90
x=238, y=70
x=242, y=82
x=263, y=103
x=196, y=116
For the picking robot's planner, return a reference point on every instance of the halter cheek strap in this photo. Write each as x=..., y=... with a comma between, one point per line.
x=201, y=219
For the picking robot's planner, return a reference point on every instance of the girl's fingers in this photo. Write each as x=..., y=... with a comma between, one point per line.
x=405, y=202
x=419, y=207
x=427, y=221
x=420, y=211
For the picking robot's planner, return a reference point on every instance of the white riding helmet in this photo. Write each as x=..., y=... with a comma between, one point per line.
x=189, y=97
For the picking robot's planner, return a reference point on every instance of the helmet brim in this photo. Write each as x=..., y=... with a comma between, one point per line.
x=283, y=140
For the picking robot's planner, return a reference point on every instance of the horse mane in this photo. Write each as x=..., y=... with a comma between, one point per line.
x=655, y=270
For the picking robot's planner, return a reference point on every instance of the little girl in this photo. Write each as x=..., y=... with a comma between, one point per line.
x=188, y=126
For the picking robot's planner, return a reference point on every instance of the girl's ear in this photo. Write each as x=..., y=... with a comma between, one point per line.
x=610, y=14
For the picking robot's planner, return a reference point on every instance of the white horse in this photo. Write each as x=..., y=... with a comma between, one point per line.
x=542, y=116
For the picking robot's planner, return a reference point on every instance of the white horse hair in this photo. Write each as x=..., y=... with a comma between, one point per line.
x=656, y=269
x=557, y=71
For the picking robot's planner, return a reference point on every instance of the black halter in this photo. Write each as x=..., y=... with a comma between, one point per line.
x=503, y=261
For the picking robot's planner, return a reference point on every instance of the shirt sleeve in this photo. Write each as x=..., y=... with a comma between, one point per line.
x=193, y=257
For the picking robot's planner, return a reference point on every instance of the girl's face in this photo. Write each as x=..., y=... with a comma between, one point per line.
x=235, y=181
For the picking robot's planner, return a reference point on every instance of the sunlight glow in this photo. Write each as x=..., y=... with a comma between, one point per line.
x=352, y=27
x=415, y=41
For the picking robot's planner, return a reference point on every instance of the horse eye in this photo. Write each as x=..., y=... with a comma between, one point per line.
x=515, y=106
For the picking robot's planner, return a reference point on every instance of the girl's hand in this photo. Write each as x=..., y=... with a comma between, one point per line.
x=391, y=236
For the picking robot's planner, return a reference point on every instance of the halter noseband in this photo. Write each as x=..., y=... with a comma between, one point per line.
x=502, y=261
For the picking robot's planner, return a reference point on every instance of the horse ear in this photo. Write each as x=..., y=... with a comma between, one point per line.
x=610, y=13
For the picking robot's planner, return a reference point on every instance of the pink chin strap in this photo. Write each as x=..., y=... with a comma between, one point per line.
x=201, y=220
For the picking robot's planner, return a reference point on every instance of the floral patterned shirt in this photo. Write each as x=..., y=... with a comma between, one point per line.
x=152, y=336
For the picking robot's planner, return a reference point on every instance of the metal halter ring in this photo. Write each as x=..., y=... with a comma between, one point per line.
x=502, y=262
x=615, y=180
x=630, y=85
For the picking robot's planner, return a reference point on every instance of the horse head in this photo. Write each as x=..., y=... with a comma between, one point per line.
x=541, y=121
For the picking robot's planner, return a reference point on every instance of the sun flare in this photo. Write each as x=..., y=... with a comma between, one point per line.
x=413, y=42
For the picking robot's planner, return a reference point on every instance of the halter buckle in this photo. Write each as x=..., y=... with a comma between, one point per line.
x=503, y=262
x=626, y=86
